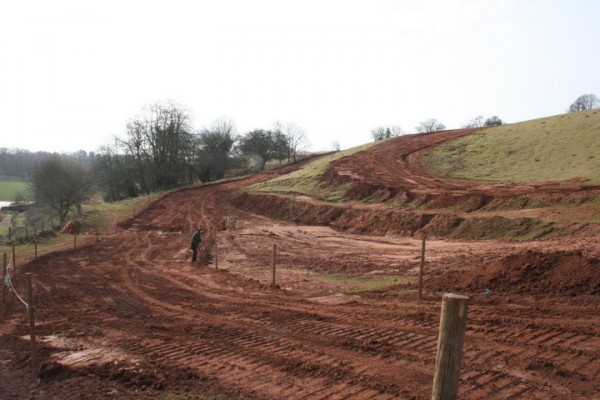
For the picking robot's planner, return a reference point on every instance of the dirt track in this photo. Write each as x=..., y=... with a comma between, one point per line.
x=131, y=317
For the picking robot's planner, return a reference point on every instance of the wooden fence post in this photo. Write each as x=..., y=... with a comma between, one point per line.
x=9, y=233
x=97, y=239
x=116, y=226
x=14, y=260
x=3, y=278
x=453, y=321
x=31, y=322
x=74, y=240
x=421, y=269
x=274, y=263
x=216, y=252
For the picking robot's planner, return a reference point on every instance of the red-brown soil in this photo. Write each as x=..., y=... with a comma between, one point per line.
x=131, y=317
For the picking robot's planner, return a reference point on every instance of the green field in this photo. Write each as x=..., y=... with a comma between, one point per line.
x=10, y=187
x=556, y=148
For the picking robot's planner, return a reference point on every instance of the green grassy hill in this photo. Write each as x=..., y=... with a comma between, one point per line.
x=559, y=148
x=556, y=148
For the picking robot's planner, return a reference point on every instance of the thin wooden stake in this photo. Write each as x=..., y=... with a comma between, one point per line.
x=14, y=260
x=9, y=233
x=74, y=240
x=116, y=226
x=3, y=278
x=274, y=263
x=31, y=322
x=97, y=239
x=453, y=321
x=421, y=269
x=35, y=247
x=216, y=253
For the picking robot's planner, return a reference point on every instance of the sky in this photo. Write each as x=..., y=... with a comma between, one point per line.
x=73, y=72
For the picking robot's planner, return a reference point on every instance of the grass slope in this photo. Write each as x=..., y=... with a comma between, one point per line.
x=556, y=148
x=306, y=180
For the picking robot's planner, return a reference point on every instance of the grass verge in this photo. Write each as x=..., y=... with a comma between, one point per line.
x=351, y=284
x=307, y=180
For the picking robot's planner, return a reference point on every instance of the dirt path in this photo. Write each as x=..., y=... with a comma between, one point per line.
x=397, y=170
x=132, y=317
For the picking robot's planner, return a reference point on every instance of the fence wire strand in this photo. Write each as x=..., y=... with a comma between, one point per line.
x=9, y=284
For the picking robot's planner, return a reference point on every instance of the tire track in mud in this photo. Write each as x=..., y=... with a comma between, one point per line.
x=245, y=342
x=258, y=342
x=265, y=360
x=336, y=332
x=495, y=383
x=132, y=293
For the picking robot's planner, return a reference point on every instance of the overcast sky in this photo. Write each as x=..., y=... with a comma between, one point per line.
x=73, y=72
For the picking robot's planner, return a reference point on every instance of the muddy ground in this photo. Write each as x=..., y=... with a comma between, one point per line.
x=131, y=317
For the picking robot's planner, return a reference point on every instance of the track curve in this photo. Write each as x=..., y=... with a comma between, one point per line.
x=133, y=312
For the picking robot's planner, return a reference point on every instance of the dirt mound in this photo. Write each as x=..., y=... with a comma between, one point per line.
x=382, y=221
x=498, y=227
x=532, y=272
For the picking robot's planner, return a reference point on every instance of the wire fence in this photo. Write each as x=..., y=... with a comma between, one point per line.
x=8, y=283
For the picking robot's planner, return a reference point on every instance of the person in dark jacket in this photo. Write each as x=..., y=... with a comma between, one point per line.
x=196, y=240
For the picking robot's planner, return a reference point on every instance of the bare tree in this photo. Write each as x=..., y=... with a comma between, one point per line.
x=105, y=167
x=267, y=145
x=336, y=146
x=585, y=102
x=296, y=136
x=430, y=125
x=160, y=140
x=493, y=121
x=137, y=155
x=215, y=145
x=115, y=172
x=476, y=122
x=480, y=122
x=60, y=184
x=386, y=132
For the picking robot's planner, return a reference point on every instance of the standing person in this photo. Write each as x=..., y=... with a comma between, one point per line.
x=196, y=240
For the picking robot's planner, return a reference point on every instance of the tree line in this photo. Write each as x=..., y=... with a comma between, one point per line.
x=431, y=125
x=161, y=150
x=20, y=163
x=582, y=103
